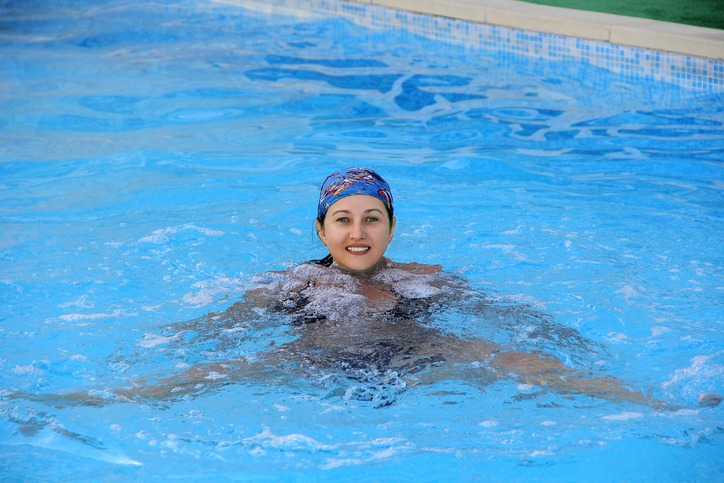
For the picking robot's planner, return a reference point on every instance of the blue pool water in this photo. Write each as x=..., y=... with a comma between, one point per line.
x=156, y=156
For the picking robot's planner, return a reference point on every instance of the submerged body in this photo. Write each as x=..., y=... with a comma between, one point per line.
x=370, y=336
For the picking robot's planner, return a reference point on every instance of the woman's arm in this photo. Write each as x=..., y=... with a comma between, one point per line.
x=196, y=380
x=548, y=372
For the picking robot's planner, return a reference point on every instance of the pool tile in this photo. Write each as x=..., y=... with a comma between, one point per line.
x=523, y=29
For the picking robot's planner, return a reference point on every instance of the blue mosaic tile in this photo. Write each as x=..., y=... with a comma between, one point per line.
x=635, y=63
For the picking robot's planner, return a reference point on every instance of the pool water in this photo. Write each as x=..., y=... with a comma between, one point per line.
x=157, y=156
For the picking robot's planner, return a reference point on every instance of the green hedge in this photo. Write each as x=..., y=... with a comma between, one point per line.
x=703, y=13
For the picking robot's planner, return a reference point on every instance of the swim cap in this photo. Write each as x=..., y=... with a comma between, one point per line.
x=353, y=181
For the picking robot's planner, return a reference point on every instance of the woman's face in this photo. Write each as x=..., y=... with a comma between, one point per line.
x=357, y=230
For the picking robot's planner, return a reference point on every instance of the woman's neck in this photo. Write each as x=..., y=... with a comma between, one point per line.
x=380, y=265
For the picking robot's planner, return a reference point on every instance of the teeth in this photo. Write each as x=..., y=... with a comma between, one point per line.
x=357, y=249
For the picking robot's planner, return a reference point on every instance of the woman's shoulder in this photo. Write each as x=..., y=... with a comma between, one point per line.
x=416, y=268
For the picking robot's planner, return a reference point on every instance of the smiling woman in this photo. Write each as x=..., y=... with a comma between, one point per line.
x=357, y=232
x=153, y=180
x=361, y=222
x=358, y=316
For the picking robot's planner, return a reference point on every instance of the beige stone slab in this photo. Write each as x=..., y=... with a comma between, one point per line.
x=672, y=38
x=470, y=10
x=569, y=22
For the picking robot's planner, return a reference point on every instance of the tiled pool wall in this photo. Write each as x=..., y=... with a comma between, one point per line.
x=634, y=64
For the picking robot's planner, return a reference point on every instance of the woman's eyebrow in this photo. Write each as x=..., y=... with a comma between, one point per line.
x=335, y=212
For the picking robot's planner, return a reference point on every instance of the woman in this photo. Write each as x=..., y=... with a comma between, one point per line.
x=366, y=327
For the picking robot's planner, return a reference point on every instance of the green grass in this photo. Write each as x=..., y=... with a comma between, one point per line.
x=702, y=13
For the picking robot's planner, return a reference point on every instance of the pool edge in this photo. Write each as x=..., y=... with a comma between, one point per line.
x=634, y=63
x=611, y=28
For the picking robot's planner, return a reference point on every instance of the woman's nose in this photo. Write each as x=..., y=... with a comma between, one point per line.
x=358, y=232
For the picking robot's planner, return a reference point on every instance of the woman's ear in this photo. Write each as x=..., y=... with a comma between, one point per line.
x=320, y=233
x=393, y=225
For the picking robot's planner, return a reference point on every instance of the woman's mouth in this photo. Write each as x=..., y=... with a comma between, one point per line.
x=358, y=250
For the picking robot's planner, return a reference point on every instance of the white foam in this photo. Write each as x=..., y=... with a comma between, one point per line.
x=77, y=317
x=624, y=416
x=628, y=293
x=388, y=451
x=336, y=303
x=82, y=302
x=617, y=337
x=161, y=236
x=202, y=230
x=28, y=369
x=294, y=441
x=214, y=376
x=701, y=367
x=678, y=412
x=335, y=293
x=333, y=463
x=540, y=452
x=158, y=237
x=201, y=298
x=210, y=289
x=151, y=308
x=154, y=340
x=409, y=284
x=329, y=292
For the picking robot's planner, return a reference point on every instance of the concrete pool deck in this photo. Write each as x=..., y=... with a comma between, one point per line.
x=611, y=28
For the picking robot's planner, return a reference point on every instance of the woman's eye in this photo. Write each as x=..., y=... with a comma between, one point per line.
x=343, y=219
x=372, y=219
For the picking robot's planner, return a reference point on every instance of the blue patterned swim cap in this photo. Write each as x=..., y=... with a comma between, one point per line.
x=353, y=181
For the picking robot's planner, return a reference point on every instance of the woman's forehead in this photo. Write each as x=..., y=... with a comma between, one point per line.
x=357, y=203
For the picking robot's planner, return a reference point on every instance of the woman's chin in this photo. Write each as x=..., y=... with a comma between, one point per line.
x=360, y=264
